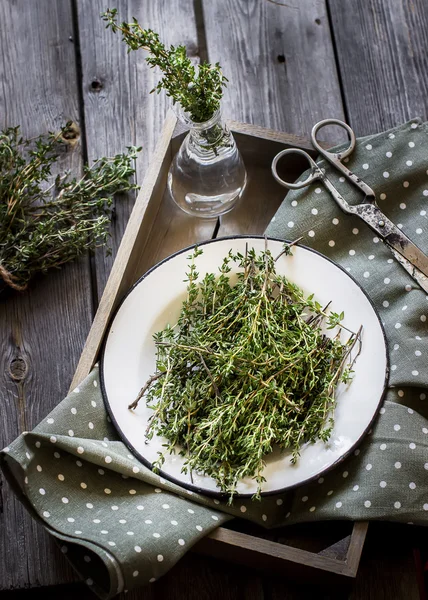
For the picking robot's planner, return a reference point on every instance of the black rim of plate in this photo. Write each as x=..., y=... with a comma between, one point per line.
x=219, y=494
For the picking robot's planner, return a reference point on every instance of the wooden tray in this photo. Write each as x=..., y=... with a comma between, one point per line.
x=158, y=228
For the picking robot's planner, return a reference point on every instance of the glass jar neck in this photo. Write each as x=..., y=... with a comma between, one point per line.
x=208, y=133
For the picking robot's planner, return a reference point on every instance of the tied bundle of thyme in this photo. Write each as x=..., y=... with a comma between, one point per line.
x=246, y=369
x=198, y=89
x=45, y=221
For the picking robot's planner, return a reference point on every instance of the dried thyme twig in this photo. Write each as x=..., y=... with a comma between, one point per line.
x=246, y=368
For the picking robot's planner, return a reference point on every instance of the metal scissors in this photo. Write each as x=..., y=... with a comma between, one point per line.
x=405, y=251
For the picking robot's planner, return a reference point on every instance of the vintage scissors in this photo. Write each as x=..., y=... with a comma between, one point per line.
x=405, y=251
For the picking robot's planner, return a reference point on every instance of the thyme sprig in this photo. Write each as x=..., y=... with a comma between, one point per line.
x=198, y=89
x=46, y=221
x=248, y=368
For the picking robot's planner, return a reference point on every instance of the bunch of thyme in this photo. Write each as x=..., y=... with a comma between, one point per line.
x=246, y=369
x=197, y=89
x=46, y=221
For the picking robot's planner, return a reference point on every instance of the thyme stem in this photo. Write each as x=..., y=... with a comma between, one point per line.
x=144, y=389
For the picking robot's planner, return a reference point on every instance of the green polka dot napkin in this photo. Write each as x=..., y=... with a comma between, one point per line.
x=122, y=526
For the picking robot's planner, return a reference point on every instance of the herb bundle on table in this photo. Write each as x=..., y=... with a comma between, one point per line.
x=46, y=221
x=246, y=369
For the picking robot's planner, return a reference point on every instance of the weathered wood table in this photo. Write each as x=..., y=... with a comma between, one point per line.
x=289, y=63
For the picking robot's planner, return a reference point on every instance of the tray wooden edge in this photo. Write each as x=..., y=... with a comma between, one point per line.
x=273, y=556
x=221, y=543
x=110, y=295
x=289, y=139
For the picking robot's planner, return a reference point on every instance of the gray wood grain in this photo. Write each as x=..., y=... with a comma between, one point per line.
x=383, y=60
x=42, y=331
x=279, y=60
x=118, y=108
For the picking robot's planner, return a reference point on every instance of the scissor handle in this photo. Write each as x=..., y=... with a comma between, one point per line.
x=313, y=175
x=335, y=158
x=329, y=155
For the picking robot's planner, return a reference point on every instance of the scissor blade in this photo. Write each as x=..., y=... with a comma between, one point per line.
x=391, y=234
x=417, y=275
x=405, y=251
x=404, y=246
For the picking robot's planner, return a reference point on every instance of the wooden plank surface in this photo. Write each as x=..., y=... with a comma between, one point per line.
x=42, y=331
x=279, y=59
x=275, y=55
x=387, y=569
x=383, y=60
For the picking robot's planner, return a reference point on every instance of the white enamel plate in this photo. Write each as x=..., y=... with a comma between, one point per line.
x=128, y=360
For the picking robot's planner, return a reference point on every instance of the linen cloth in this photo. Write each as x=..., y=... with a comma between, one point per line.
x=123, y=526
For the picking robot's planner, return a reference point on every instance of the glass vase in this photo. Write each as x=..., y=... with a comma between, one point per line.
x=207, y=175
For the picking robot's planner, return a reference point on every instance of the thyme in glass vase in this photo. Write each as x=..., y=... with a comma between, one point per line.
x=198, y=89
x=247, y=368
x=46, y=221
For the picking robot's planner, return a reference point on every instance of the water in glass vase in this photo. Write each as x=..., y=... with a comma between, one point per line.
x=207, y=176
